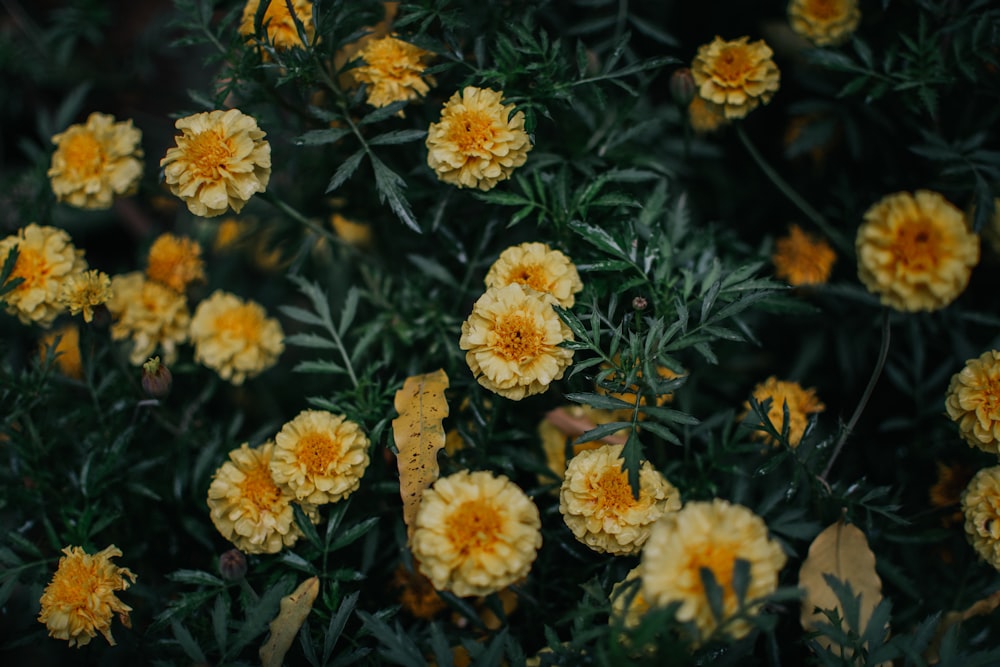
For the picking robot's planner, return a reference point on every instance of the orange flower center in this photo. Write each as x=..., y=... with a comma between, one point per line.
x=471, y=131
x=823, y=10
x=83, y=154
x=258, y=487
x=32, y=266
x=532, y=275
x=916, y=245
x=280, y=26
x=73, y=584
x=240, y=323
x=518, y=338
x=613, y=493
x=474, y=526
x=733, y=64
x=208, y=152
x=317, y=451
x=720, y=558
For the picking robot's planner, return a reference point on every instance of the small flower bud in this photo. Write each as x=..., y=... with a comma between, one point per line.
x=640, y=303
x=156, y=378
x=682, y=87
x=233, y=565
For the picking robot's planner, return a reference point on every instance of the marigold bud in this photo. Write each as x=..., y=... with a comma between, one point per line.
x=233, y=565
x=640, y=303
x=682, y=87
x=156, y=378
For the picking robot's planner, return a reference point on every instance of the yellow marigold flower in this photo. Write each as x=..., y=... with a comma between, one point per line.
x=320, y=456
x=801, y=403
x=973, y=401
x=737, y=75
x=248, y=508
x=350, y=232
x=981, y=506
x=704, y=116
x=824, y=22
x=82, y=292
x=539, y=267
x=393, y=71
x=946, y=492
x=512, y=341
x=278, y=23
x=597, y=504
x=95, y=162
x=220, y=161
x=710, y=535
x=67, y=350
x=629, y=393
x=555, y=436
x=175, y=261
x=477, y=143
x=235, y=338
x=916, y=251
x=149, y=314
x=80, y=600
x=416, y=594
x=46, y=259
x=803, y=259
x=628, y=611
x=228, y=233
x=475, y=533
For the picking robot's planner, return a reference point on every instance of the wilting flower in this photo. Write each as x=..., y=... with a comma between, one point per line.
x=80, y=600
x=278, y=23
x=704, y=116
x=738, y=75
x=149, y=314
x=477, y=143
x=248, y=507
x=320, y=456
x=709, y=536
x=973, y=401
x=946, y=492
x=475, y=533
x=220, y=161
x=803, y=259
x=801, y=404
x=916, y=251
x=67, y=350
x=824, y=22
x=981, y=506
x=393, y=70
x=539, y=267
x=95, y=162
x=175, y=261
x=82, y=292
x=597, y=504
x=46, y=259
x=235, y=338
x=512, y=341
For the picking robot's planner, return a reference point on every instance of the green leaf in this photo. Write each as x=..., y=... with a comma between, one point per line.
x=321, y=137
x=397, y=137
x=345, y=170
x=390, y=189
x=311, y=341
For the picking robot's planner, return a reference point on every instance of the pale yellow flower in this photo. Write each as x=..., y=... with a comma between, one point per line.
x=981, y=506
x=67, y=350
x=278, y=23
x=320, y=456
x=46, y=259
x=706, y=117
x=801, y=404
x=539, y=267
x=82, y=292
x=512, y=341
x=477, y=143
x=393, y=70
x=475, y=533
x=220, y=161
x=916, y=251
x=597, y=504
x=249, y=508
x=973, y=401
x=235, y=338
x=175, y=261
x=710, y=535
x=149, y=314
x=80, y=600
x=627, y=603
x=824, y=22
x=95, y=162
x=803, y=259
x=737, y=75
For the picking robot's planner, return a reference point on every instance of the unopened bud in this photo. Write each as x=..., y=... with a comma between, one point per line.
x=640, y=303
x=156, y=378
x=233, y=565
x=682, y=87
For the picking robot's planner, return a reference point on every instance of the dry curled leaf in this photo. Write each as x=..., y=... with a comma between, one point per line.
x=982, y=607
x=419, y=436
x=294, y=609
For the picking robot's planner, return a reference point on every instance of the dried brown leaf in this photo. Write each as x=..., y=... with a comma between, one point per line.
x=982, y=607
x=294, y=609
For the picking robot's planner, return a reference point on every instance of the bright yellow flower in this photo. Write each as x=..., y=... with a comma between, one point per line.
x=278, y=23
x=220, y=161
x=704, y=116
x=80, y=600
x=737, y=75
x=973, y=401
x=824, y=22
x=175, y=261
x=801, y=404
x=539, y=267
x=477, y=143
x=475, y=533
x=82, y=292
x=46, y=259
x=512, y=341
x=803, y=259
x=916, y=251
x=597, y=504
x=95, y=162
x=248, y=508
x=235, y=338
x=149, y=314
x=320, y=456
x=67, y=351
x=710, y=535
x=981, y=506
x=393, y=70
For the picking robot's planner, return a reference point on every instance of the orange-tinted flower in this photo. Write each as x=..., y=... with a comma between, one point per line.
x=803, y=259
